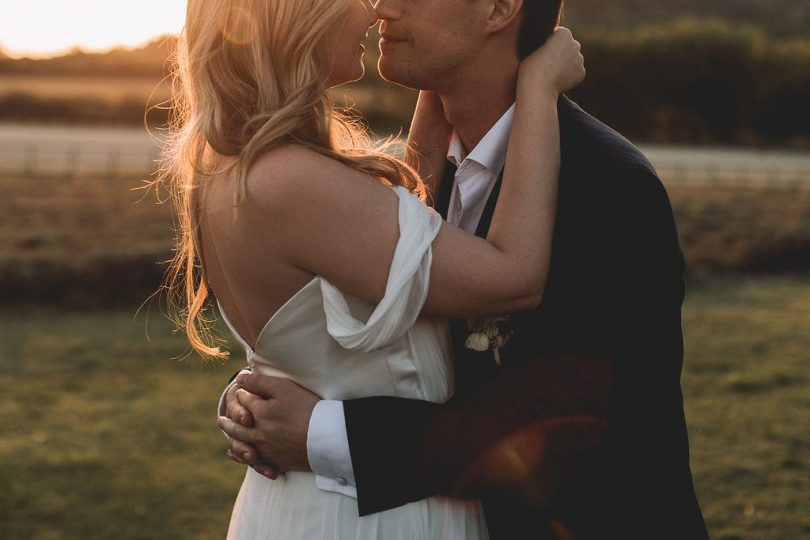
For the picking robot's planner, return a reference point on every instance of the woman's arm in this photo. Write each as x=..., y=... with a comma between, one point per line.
x=510, y=272
x=330, y=220
x=428, y=141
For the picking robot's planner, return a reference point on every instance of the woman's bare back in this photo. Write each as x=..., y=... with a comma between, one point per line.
x=243, y=259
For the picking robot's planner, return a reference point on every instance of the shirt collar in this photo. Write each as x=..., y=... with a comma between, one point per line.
x=490, y=152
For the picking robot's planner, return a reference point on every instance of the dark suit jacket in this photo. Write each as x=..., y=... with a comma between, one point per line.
x=584, y=424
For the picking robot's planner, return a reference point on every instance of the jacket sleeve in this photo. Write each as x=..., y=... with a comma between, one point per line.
x=519, y=435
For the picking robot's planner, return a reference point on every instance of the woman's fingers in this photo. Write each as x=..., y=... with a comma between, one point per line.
x=236, y=431
x=244, y=451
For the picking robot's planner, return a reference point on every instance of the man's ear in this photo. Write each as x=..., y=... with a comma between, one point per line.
x=503, y=13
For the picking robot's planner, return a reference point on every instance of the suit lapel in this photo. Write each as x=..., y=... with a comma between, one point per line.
x=489, y=209
x=446, y=189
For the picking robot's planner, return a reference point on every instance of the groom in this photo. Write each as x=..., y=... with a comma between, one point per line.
x=581, y=432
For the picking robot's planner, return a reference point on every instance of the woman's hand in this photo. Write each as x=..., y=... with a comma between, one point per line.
x=428, y=140
x=430, y=111
x=557, y=66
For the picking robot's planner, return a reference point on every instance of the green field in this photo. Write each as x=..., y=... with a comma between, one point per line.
x=747, y=397
x=106, y=436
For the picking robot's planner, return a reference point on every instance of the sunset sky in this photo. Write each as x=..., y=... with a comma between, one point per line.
x=48, y=27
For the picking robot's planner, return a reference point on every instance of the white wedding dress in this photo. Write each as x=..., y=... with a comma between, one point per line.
x=342, y=348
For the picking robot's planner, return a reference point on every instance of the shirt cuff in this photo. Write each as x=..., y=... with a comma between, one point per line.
x=328, y=449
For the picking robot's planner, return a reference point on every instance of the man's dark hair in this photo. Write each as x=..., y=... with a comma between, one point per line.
x=540, y=18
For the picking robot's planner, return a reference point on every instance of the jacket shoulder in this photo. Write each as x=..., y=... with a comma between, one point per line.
x=588, y=144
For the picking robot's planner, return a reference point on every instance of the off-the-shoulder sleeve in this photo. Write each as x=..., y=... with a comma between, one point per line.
x=406, y=290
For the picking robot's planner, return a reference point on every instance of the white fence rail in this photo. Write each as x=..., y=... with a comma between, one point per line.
x=45, y=150
x=113, y=160
x=115, y=152
x=729, y=165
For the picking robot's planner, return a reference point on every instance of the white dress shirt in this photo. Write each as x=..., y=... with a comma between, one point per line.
x=327, y=439
x=477, y=173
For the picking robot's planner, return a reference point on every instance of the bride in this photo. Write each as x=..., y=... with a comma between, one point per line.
x=324, y=260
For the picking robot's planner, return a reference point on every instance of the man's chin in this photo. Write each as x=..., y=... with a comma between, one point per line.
x=398, y=82
x=390, y=74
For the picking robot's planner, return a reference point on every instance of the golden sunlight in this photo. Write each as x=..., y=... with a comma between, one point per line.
x=41, y=28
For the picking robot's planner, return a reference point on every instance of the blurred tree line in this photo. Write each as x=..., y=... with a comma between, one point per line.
x=148, y=61
x=777, y=18
x=701, y=81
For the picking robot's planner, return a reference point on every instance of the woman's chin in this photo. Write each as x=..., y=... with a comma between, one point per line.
x=347, y=78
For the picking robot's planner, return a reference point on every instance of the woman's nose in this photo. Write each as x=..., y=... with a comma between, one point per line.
x=372, y=12
x=387, y=9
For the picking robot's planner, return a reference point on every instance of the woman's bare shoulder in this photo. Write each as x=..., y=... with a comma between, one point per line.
x=291, y=158
x=295, y=176
x=292, y=167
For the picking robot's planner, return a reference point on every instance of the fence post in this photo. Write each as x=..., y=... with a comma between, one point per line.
x=73, y=161
x=30, y=160
x=113, y=161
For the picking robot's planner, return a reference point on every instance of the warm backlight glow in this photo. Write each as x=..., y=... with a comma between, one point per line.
x=40, y=28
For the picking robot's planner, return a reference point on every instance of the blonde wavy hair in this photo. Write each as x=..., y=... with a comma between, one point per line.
x=248, y=78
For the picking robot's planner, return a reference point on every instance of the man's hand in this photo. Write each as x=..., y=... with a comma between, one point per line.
x=239, y=451
x=268, y=423
x=234, y=410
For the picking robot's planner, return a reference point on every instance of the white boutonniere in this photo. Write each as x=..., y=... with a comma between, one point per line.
x=487, y=333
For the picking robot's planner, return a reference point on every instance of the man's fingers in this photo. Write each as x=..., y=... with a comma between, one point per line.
x=266, y=470
x=244, y=451
x=262, y=385
x=235, y=410
x=234, y=457
x=238, y=413
x=249, y=403
x=236, y=431
x=245, y=417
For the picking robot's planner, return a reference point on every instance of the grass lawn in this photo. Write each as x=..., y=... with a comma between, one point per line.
x=105, y=436
x=747, y=395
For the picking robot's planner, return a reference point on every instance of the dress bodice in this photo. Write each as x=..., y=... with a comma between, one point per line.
x=342, y=348
x=296, y=344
